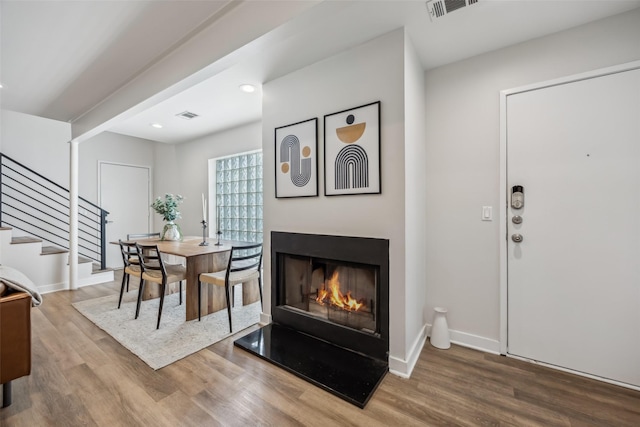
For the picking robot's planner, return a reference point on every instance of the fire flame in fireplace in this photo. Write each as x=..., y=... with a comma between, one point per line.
x=334, y=297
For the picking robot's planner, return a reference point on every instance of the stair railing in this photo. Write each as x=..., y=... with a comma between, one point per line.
x=39, y=207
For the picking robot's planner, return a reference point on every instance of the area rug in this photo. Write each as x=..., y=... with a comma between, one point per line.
x=176, y=337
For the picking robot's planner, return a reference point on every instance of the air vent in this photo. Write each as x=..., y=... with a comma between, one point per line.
x=440, y=8
x=187, y=115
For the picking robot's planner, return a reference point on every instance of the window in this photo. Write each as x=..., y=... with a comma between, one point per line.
x=239, y=197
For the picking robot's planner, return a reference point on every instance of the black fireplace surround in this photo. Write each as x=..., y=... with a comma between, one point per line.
x=345, y=352
x=356, y=251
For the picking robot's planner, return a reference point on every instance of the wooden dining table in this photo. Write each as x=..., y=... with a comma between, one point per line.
x=200, y=259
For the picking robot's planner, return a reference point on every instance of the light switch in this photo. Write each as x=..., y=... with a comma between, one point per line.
x=487, y=213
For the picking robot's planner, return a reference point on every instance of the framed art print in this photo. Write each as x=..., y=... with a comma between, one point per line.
x=352, y=151
x=297, y=159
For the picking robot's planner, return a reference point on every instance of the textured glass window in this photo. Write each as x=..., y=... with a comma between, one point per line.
x=239, y=197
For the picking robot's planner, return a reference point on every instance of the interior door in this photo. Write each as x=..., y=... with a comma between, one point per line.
x=124, y=193
x=574, y=245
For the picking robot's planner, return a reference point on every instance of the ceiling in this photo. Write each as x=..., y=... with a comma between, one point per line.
x=60, y=59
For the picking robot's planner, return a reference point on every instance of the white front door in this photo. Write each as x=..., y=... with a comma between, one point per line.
x=573, y=282
x=124, y=193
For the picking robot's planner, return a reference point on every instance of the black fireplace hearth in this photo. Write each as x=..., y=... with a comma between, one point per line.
x=330, y=312
x=349, y=375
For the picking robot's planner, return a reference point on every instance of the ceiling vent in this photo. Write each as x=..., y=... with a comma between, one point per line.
x=187, y=115
x=440, y=8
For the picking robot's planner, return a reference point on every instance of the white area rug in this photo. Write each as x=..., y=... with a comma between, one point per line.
x=176, y=337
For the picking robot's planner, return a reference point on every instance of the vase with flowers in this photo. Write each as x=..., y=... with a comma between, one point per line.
x=168, y=208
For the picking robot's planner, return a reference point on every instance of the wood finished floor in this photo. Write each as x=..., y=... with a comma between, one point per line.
x=83, y=377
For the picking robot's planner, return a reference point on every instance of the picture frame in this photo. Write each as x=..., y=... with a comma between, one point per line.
x=296, y=159
x=352, y=151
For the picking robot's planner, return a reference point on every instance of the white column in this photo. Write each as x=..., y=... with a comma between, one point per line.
x=73, y=215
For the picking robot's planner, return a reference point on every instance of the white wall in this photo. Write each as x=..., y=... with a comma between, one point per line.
x=110, y=147
x=183, y=169
x=176, y=168
x=462, y=161
x=166, y=179
x=370, y=72
x=415, y=204
x=43, y=145
x=38, y=143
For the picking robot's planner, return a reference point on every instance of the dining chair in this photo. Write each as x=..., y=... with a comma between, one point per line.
x=156, y=271
x=245, y=264
x=134, y=258
x=131, y=266
x=168, y=259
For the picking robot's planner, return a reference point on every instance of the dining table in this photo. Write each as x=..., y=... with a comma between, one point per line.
x=199, y=258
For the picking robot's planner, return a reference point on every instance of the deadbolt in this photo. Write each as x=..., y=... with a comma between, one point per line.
x=516, y=238
x=517, y=219
x=517, y=197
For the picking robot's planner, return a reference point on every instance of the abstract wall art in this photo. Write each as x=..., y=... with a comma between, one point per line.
x=352, y=151
x=296, y=149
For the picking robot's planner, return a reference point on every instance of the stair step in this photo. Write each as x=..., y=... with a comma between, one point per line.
x=83, y=260
x=24, y=239
x=54, y=280
x=50, y=250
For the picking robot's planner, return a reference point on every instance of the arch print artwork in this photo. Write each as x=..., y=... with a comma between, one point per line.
x=296, y=149
x=352, y=151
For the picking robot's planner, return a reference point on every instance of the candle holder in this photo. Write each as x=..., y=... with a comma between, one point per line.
x=219, y=233
x=204, y=234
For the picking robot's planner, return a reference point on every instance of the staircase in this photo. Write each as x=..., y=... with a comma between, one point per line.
x=34, y=230
x=46, y=266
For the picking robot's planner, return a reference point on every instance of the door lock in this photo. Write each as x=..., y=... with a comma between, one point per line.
x=517, y=219
x=517, y=197
x=517, y=238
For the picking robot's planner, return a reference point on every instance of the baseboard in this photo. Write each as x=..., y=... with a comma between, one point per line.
x=265, y=319
x=53, y=287
x=475, y=342
x=94, y=279
x=404, y=367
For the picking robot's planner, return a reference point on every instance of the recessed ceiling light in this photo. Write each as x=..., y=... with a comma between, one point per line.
x=0, y=85
x=156, y=125
x=247, y=88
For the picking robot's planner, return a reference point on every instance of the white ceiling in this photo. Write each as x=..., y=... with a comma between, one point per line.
x=59, y=59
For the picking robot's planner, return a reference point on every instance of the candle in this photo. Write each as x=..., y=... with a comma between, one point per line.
x=218, y=218
x=204, y=208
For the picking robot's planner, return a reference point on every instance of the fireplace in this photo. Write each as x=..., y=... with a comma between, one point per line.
x=330, y=310
x=304, y=266
x=330, y=290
